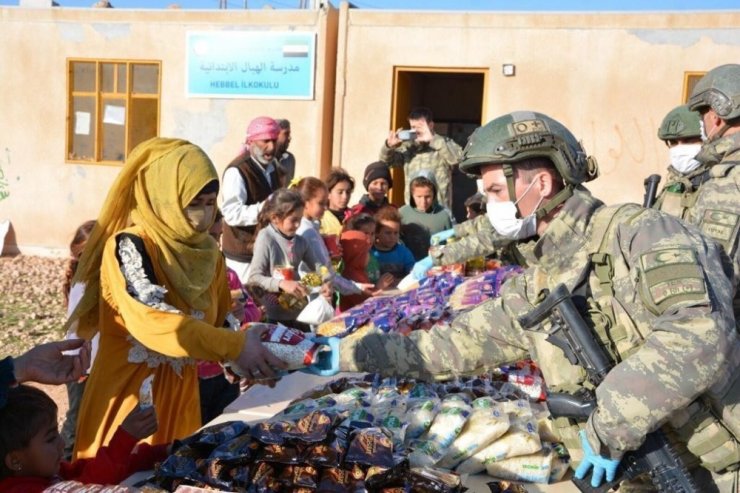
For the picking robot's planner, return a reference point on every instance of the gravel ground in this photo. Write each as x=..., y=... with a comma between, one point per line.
x=32, y=309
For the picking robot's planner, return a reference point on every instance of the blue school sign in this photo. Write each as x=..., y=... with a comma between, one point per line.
x=250, y=64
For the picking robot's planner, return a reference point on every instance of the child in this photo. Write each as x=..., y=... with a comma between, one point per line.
x=278, y=251
x=475, y=205
x=423, y=216
x=216, y=390
x=393, y=257
x=356, y=240
x=75, y=389
x=315, y=194
x=31, y=446
x=377, y=180
x=340, y=186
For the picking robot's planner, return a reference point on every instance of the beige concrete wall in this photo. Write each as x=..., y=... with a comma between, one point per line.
x=48, y=197
x=609, y=77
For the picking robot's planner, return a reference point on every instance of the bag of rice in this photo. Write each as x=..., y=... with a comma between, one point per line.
x=447, y=425
x=544, y=466
x=521, y=439
x=487, y=423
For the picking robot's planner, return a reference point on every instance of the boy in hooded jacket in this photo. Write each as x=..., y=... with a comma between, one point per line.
x=424, y=215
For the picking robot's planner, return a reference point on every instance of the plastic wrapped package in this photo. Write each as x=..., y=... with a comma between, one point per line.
x=545, y=466
x=521, y=439
x=487, y=423
x=454, y=412
x=419, y=416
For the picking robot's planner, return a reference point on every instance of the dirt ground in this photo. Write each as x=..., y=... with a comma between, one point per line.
x=32, y=309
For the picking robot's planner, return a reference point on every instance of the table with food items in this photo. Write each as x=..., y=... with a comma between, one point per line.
x=361, y=432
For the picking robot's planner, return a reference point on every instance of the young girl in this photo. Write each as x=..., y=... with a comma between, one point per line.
x=155, y=286
x=31, y=447
x=340, y=186
x=75, y=389
x=314, y=193
x=359, y=266
x=278, y=253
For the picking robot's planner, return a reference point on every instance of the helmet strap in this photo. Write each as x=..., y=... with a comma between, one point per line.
x=558, y=199
x=509, y=174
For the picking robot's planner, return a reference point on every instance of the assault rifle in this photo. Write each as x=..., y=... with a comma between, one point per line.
x=651, y=190
x=570, y=333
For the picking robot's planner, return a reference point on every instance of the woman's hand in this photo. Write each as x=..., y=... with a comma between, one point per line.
x=294, y=287
x=255, y=361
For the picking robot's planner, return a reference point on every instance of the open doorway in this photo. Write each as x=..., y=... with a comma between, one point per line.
x=456, y=98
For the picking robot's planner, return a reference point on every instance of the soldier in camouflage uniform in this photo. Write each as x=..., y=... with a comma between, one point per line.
x=709, y=197
x=653, y=289
x=428, y=151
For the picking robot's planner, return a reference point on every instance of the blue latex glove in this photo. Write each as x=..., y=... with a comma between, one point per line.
x=600, y=464
x=421, y=267
x=327, y=364
x=442, y=236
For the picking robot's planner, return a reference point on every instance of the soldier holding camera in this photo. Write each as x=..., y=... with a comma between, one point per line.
x=422, y=149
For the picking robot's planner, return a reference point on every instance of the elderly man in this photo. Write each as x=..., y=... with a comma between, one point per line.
x=248, y=180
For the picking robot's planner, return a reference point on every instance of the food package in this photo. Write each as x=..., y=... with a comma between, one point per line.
x=521, y=439
x=419, y=417
x=291, y=346
x=447, y=425
x=486, y=424
x=545, y=466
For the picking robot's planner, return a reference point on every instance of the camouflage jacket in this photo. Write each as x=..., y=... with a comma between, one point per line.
x=709, y=197
x=671, y=337
x=438, y=156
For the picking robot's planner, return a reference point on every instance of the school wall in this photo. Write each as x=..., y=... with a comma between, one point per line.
x=610, y=78
x=48, y=197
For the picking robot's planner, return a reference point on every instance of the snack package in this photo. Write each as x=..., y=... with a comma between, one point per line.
x=291, y=346
x=372, y=447
x=146, y=396
x=419, y=417
x=487, y=423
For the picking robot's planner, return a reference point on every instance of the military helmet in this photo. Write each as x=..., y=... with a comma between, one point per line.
x=719, y=90
x=522, y=135
x=680, y=123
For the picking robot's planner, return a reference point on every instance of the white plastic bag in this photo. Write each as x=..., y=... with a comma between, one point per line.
x=318, y=311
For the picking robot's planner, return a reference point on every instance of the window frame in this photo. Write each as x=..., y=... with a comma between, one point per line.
x=128, y=96
x=689, y=81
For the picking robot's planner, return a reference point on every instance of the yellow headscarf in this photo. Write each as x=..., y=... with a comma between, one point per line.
x=161, y=176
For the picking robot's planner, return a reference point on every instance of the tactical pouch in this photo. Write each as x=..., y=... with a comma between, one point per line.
x=672, y=204
x=707, y=438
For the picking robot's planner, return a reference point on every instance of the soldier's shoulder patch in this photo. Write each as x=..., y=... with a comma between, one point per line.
x=721, y=226
x=670, y=276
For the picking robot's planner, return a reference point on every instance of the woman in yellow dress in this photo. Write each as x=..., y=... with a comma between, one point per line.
x=155, y=287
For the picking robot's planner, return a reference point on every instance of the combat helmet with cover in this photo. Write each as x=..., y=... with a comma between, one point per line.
x=680, y=123
x=719, y=90
x=522, y=135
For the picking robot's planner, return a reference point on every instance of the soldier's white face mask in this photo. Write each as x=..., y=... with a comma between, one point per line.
x=682, y=157
x=503, y=218
x=201, y=217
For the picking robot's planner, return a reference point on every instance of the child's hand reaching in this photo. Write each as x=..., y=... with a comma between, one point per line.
x=385, y=281
x=294, y=287
x=141, y=423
